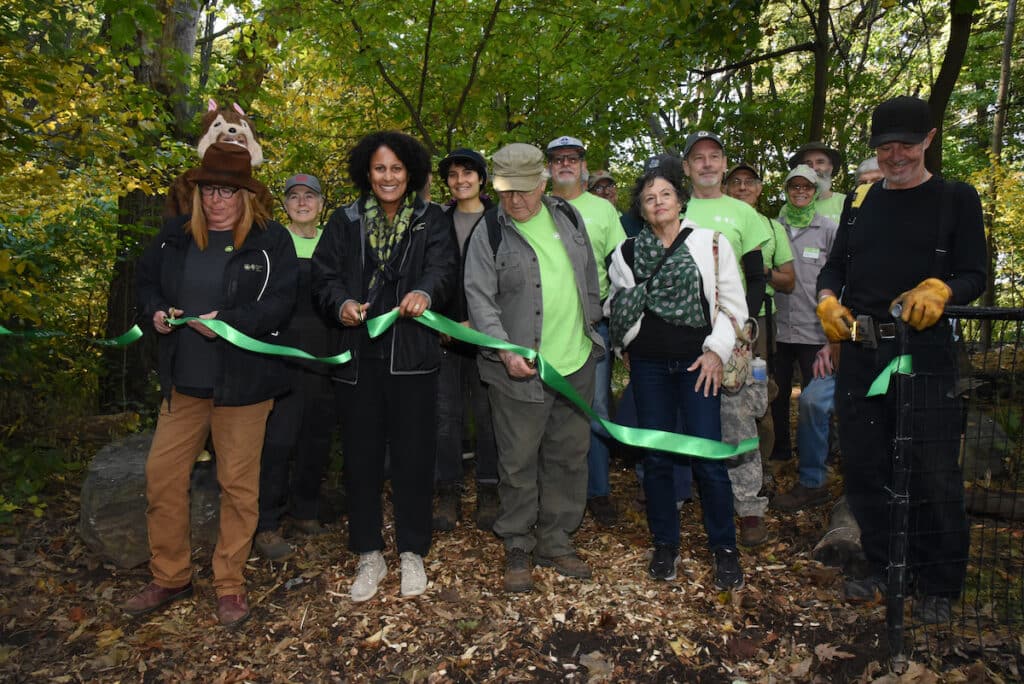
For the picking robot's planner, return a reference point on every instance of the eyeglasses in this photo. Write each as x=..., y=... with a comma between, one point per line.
x=604, y=187
x=800, y=188
x=744, y=182
x=512, y=195
x=219, y=190
x=566, y=159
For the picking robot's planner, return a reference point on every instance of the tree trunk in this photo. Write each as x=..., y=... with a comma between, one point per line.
x=821, y=69
x=124, y=383
x=989, y=298
x=961, y=18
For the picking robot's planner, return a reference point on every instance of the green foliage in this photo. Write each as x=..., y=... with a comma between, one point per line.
x=24, y=475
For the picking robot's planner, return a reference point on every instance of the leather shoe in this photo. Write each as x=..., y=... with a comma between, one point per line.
x=569, y=565
x=153, y=596
x=232, y=610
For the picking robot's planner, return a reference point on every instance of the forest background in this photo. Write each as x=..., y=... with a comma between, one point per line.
x=100, y=101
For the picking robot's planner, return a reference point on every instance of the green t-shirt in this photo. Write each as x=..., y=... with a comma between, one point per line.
x=563, y=338
x=743, y=227
x=601, y=220
x=831, y=207
x=304, y=246
x=775, y=252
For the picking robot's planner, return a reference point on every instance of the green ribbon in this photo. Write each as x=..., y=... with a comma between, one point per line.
x=243, y=341
x=901, y=364
x=122, y=340
x=685, y=445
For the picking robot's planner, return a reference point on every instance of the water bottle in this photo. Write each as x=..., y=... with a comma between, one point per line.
x=759, y=370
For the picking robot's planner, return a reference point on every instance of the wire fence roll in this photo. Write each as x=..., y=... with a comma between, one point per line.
x=956, y=498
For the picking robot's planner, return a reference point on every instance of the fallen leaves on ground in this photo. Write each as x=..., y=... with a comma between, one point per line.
x=60, y=621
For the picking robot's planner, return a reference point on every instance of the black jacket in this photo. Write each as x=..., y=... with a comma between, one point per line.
x=259, y=296
x=425, y=259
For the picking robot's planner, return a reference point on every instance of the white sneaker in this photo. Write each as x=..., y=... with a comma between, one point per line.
x=370, y=572
x=414, y=579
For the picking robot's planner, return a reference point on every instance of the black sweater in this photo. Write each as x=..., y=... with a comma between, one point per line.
x=892, y=243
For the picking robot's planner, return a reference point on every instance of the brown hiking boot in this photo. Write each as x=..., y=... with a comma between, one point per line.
x=799, y=498
x=569, y=565
x=753, y=531
x=232, y=610
x=486, y=506
x=153, y=596
x=272, y=546
x=518, y=571
x=446, y=509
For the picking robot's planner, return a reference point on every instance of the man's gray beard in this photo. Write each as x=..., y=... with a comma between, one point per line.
x=824, y=182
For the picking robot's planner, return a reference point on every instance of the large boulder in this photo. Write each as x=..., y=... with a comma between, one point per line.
x=113, y=515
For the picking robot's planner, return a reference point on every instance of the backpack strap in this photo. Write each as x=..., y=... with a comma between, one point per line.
x=490, y=219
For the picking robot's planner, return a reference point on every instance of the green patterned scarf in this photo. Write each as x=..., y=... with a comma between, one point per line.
x=384, y=235
x=801, y=218
x=673, y=294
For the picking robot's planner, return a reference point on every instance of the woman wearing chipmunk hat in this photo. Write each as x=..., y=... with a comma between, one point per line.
x=226, y=261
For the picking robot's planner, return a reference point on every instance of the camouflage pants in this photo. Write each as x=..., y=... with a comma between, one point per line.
x=739, y=413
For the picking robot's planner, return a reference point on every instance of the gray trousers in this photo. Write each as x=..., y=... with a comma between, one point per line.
x=739, y=412
x=542, y=467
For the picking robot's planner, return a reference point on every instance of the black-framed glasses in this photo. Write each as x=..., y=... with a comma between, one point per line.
x=222, y=191
x=604, y=187
x=566, y=159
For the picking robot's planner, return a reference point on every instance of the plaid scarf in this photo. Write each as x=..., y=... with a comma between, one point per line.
x=384, y=235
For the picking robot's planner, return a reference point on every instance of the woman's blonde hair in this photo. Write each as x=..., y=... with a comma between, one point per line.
x=252, y=212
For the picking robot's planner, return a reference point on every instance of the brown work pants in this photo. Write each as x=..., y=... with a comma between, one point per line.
x=180, y=436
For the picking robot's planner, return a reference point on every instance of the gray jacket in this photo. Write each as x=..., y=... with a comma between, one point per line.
x=503, y=292
x=795, y=312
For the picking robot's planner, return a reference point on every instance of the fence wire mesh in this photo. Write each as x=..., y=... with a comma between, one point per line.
x=961, y=517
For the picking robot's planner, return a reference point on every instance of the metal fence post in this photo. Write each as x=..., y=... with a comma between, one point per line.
x=899, y=511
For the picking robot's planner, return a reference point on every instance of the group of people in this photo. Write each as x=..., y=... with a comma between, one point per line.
x=666, y=286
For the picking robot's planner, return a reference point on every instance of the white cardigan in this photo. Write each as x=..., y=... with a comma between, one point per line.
x=730, y=288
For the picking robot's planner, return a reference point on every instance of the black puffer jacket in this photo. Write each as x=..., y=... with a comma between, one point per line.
x=259, y=296
x=425, y=259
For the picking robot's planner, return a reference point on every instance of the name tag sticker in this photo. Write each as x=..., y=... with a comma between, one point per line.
x=812, y=252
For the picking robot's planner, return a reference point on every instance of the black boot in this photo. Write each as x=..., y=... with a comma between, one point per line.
x=486, y=506
x=446, y=508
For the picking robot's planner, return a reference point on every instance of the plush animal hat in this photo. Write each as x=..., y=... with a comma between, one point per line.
x=223, y=124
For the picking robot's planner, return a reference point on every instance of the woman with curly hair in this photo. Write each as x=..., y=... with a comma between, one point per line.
x=387, y=249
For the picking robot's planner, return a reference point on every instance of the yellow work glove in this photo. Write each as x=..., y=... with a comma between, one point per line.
x=923, y=306
x=835, y=318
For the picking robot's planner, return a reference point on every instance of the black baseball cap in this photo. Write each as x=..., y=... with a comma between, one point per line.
x=472, y=158
x=696, y=137
x=900, y=119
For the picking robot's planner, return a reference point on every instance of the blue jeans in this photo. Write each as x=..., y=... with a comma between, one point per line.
x=682, y=475
x=664, y=389
x=817, y=402
x=597, y=456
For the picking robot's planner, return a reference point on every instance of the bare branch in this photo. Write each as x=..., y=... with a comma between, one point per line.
x=426, y=54
x=413, y=112
x=473, y=68
x=756, y=59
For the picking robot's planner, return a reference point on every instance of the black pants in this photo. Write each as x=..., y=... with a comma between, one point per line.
x=395, y=412
x=938, y=533
x=786, y=354
x=296, y=449
x=461, y=394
